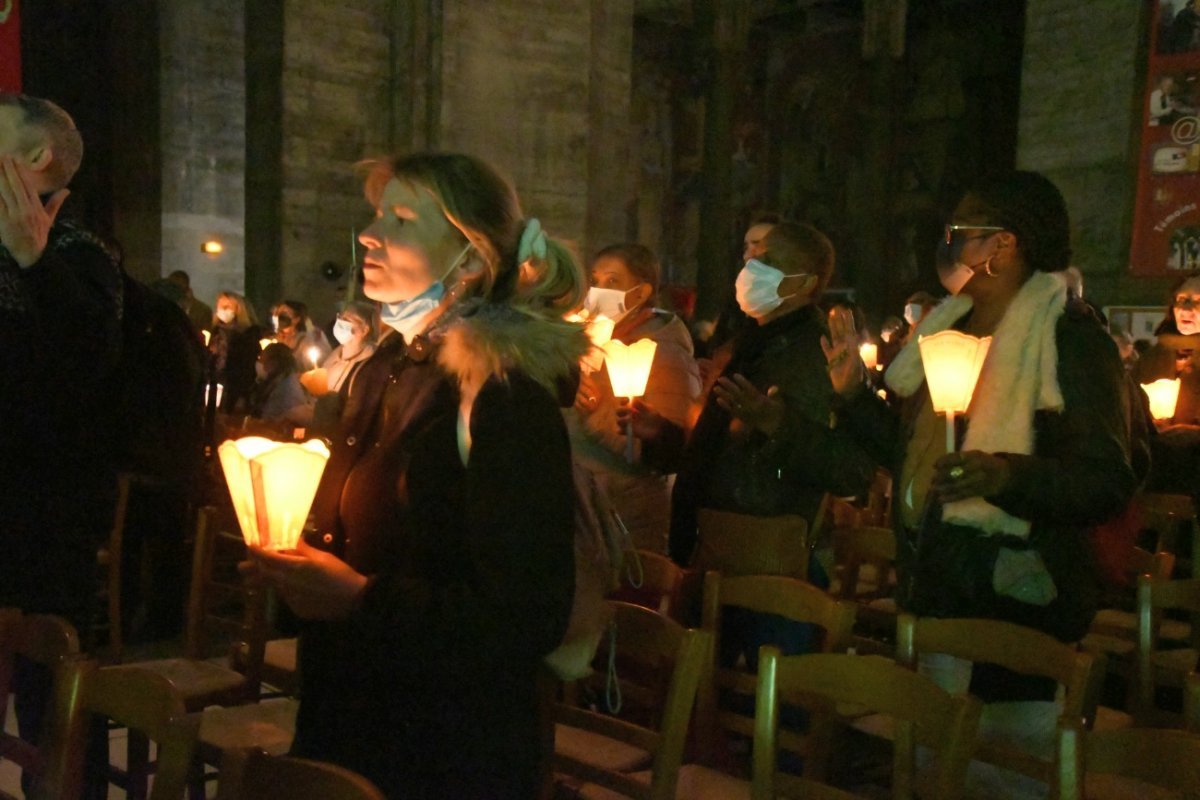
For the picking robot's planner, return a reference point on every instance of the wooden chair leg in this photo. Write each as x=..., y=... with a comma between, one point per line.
x=137, y=765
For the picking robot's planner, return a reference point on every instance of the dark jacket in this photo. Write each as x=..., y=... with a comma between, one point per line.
x=768, y=476
x=1077, y=477
x=234, y=353
x=429, y=687
x=60, y=343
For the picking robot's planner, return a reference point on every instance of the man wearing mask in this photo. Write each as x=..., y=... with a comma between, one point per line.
x=60, y=339
x=763, y=445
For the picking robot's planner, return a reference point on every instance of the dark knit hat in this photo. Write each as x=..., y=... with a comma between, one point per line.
x=1030, y=206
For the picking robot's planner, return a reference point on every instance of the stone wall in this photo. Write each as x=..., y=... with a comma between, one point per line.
x=1081, y=88
x=203, y=141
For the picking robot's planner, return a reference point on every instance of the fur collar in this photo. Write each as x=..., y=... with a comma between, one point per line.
x=1019, y=377
x=488, y=340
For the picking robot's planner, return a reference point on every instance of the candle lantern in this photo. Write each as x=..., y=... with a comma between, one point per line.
x=629, y=370
x=314, y=356
x=272, y=485
x=220, y=394
x=952, y=363
x=1164, y=394
x=869, y=352
x=263, y=344
x=599, y=330
x=207, y=337
x=316, y=381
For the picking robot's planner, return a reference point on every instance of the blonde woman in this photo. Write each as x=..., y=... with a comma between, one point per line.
x=234, y=347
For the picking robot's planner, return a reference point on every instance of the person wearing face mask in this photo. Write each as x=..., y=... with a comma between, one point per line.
x=354, y=330
x=916, y=308
x=624, y=285
x=762, y=445
x=278, y=396
x=1000, y=528
x=234, y=347
x=440, y=569
x=295, y=329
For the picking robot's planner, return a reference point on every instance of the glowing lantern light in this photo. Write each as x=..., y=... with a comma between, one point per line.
x=600, y=330
x=314, y=355
x=212, y=248
x=1164, y=394
x=220, y=394
x=207, y=337
x=316, y=381
x=272, y=485
x=870, y=354
x=952, y=363
x=629, y=370
x=263, y=344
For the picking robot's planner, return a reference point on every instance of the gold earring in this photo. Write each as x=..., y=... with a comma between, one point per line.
x=987, y=268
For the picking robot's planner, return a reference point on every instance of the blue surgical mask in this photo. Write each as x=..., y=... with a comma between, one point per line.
x=406, y=316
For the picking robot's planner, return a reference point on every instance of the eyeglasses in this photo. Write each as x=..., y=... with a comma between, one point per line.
x=1187, y=303
x=953, y=227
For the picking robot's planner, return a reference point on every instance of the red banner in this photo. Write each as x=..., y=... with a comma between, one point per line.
x=10, y=46
x=1166, y=222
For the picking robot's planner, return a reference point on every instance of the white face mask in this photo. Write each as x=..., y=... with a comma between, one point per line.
x=912, y=313
x=609, y=302
x=226, y=314
x=955, y=279
x=343, y=331
x=757, y=288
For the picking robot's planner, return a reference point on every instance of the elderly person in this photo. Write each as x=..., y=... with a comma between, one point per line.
x=624, y=285
x=441, y=570
x=1000, y=527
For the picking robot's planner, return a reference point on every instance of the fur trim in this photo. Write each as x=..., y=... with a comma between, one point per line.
x=494, y=339
x=1019, y=377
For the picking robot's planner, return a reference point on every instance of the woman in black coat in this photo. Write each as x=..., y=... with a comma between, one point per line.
x=441, y=569
x=999, y=528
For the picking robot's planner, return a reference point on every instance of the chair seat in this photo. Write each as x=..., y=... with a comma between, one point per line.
x=596, y=749
x=696, y=782
x=201, y=683
x=270, y=725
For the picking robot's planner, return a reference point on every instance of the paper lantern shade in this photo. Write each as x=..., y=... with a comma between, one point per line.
x=629, y=366
x=952, y=362
x=600, y=330
x=1164, y=395
x=272, y=485
x=869, y=353
x=263, y=344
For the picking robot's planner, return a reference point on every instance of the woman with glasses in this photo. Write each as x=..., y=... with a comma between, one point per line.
x=999, y=528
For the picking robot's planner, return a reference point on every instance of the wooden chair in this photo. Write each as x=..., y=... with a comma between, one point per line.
x=654, y=581
x=1015, y=647
x=1127, y=763
x=1165, y=515
x=739, y=544
x=1157, y=666
x=148, y=704
x=280, y=667
x=855, y=548
x=255, y=775
x=924, y=714
x=658, y=650
x=787, y=597
x=53, y=761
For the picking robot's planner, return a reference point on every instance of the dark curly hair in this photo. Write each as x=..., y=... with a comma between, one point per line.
x=1033, y=209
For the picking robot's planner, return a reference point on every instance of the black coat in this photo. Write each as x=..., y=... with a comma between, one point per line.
x=429, y=688
x=1077, y=477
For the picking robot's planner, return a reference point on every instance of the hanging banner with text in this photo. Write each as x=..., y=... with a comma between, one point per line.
x=1166, y=222
x=10, y=46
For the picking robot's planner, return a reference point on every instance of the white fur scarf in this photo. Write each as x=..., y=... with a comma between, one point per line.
x=1019, y=377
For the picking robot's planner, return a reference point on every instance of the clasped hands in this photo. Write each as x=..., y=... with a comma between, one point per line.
x=314, y=584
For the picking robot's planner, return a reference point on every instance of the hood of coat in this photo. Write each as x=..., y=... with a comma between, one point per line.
x=490, y=340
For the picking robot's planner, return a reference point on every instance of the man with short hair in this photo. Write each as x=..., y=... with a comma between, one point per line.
x=199, y=313
x=60, y=339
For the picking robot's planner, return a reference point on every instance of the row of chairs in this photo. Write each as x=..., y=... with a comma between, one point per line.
x=148, y=704
x=607, y=757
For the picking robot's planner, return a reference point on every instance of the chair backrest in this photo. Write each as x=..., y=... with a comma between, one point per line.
x=925, y=714
x=657, y=645
x=739, y=544
x=1168, y=759
x=787, y=597
x=653, y=581
x=1153, y=598
x=254, y=775
x=1015, y=647
x=857, y=545
x=1165, y=514
x=224, y=608
x=145, y=701
x=52, y=642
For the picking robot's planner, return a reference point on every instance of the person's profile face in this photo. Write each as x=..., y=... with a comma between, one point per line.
x=410, y=245
x=14, y=141
x=754, y=243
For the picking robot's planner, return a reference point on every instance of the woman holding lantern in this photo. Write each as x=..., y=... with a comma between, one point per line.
x=441, y=568
x=998, y=527
x=624, y=284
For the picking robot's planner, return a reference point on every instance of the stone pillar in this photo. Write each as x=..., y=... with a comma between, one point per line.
x=1080, y=109
x=203, y=141
x=540, y=89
